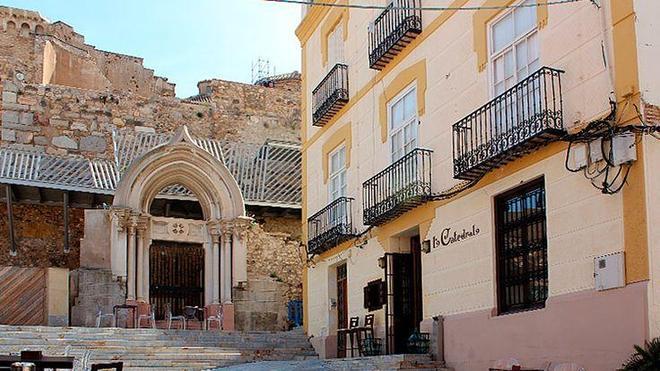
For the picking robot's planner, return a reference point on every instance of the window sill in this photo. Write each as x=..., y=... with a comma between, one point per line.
x=519, y=312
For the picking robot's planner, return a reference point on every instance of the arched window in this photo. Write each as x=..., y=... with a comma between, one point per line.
x=25, y=29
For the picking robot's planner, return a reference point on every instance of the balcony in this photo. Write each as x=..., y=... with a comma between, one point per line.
x=402, y=186
x=393, y=30
x=330, y=95
x=515, y=123
x=330, y=226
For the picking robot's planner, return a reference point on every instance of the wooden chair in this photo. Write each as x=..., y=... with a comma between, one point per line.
x=117, y=366
x=170, y=317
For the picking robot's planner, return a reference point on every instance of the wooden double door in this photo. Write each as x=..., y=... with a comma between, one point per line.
x=176, y=276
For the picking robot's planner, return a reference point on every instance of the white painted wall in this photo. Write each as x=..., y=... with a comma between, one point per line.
x=648, y=49
x=582, y=223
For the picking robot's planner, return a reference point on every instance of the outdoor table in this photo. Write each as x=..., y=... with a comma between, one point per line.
x=130, y=307
x=41, y=363
x=193, y=313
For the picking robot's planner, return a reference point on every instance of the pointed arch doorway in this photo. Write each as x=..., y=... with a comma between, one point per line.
x=220, y=232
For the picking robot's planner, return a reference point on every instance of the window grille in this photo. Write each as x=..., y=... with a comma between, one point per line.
x=522, y=264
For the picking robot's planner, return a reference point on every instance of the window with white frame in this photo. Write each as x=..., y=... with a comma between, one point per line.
x=514, y=49
x=336, y=46
x=403, y=123
x=337, y=174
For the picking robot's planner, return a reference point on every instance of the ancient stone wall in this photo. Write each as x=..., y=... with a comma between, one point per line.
x=278, y=256
x=53, y=53
x=64, y=120
x=39, y=236
x=64, y=97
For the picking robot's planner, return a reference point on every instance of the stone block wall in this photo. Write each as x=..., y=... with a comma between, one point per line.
x=261, y=305
x=61, y=96
x=92, y=289
x=64, y=96
x=277, y=256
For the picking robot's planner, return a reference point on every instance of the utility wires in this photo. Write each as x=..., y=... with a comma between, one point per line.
x=330, y=3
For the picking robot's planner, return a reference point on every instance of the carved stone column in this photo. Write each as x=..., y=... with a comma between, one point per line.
x=130, y=274
x=226, y=262
x=215, y=248
x=213, y=261
x=142, y=271
x=119, y=221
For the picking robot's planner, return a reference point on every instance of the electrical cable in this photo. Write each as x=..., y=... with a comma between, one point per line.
x=605, y=130
x=429, y=8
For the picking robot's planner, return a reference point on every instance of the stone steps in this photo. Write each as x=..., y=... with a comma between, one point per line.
x=406, y=362
x=155, y=349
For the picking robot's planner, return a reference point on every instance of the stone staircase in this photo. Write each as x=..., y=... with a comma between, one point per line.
x=408, y=362
x=148, y=349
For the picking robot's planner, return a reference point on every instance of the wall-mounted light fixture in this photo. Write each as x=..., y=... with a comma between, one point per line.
x=381, y=262
x=426, y=246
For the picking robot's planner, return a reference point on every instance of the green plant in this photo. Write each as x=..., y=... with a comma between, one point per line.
x=645, y=358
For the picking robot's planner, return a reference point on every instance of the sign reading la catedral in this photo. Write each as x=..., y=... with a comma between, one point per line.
x=449, y=236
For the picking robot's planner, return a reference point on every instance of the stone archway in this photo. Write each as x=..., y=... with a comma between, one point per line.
x=222, y=232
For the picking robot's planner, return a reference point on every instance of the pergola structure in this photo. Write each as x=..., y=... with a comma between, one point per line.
x=220, y=177
x=268, y=174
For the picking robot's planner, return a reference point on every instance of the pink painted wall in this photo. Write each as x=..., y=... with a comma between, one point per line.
x=596, y=330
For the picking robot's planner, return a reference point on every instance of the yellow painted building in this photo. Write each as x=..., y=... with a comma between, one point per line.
x=483, y=176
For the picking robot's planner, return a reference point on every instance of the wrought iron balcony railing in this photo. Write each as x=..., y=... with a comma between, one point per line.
x=518, y=121
x=330, y=95
x=394, y=28
x=402, y=186
x=330, y=226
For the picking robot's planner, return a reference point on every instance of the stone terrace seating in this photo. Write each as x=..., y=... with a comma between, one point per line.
x=149, y=349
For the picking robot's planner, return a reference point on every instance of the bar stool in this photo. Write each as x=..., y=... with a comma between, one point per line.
x=365, y=332
x=348, y=334
x=353, y=325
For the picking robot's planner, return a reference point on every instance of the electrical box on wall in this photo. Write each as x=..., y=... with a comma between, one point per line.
x=609, y=271
x=578, y=156
x=623, y=148
x=596, y=150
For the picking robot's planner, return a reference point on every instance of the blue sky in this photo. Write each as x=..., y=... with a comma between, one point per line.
x=185, y=41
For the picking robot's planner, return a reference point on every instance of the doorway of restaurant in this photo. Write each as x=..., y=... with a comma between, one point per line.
x=403, y=302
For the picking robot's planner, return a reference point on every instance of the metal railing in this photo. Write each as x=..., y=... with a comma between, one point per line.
x=402, y=186
x=392, y=30
x=330, y=226
x=521, y=119
x=330, y=95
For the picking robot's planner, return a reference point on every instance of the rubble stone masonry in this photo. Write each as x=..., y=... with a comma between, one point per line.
x=62, y=96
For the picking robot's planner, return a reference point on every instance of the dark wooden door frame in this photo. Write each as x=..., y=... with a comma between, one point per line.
x=342, y=304
x=176, y=277
x=393, y=299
